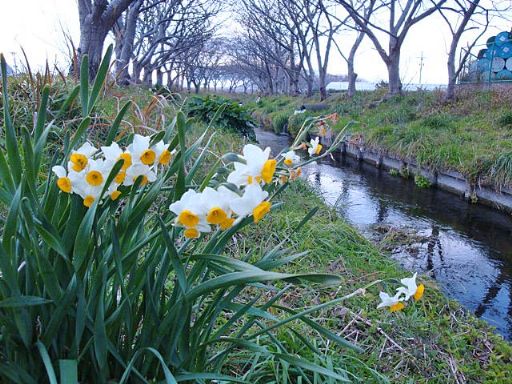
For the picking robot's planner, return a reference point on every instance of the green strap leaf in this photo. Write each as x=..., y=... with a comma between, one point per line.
x=41, y=114
x=23, y=301
x=84, y=85
x=68, y=370
x=112, y=133
x=47, y=362
x=100, y=79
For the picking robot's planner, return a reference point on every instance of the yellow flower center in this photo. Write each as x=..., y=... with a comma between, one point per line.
x=188, y=218
x=288, y=162
x=318, y=149
x=165, y=157
x=114, y=195
x=397, y=307
x=191, y=233
x=216, y=215
x=299, y=171
x=261, y=210
x=79, y=161
x=228, y=223
x=64, y=184
x=148, y=157
x=120, y=177
x=268, y=170
x=94, y=178
x=88, y=200
x=127, y=160
x=419, y=292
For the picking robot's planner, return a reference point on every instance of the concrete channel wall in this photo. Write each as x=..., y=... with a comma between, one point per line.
x=450, y=181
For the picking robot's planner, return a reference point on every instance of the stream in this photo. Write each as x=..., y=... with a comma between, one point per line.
x=466, y=248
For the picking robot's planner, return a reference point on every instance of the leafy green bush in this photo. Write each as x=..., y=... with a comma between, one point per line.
x=279, y=122
x=295, y=122
x=505, y=120
x=109, y=285
x=422, y=182
x=222, y=112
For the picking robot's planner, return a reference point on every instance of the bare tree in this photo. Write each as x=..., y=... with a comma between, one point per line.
x=367, y=8
x=97, y=18
x=395, y=19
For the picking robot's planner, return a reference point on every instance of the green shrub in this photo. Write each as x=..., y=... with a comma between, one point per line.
x=505, y=120
x=422, y=182
x=437, y=121
x=295, y=122
x=279, y=122
x=223, y=113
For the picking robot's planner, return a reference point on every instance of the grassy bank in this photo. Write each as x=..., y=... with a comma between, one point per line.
x=471, y=135
x=433, y=341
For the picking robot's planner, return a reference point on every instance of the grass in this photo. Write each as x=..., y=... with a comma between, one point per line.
x=432, y=341
x=470, y=135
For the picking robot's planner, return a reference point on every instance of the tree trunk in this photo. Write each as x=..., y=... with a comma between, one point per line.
x=452, y=77
x=92, y=37
x=159, y=77
x=393, y=64
x=96, y=20
x=123, y=59
x=352, y=77
x=148, y=73
x=322, y=86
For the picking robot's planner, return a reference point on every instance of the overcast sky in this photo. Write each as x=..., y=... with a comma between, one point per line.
x=38, y=26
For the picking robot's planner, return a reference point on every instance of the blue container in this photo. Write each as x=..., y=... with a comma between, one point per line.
x=497, y=64
x=508, y=65
x=490, y=41
x=502, y=38
x=484, y=65
x=504, y=51
x=491, y=53
x=504, y=75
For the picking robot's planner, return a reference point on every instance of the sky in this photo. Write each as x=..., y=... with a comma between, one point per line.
x=38, y=25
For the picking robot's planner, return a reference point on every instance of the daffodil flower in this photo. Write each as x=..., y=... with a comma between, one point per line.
x=63, y=181
x=80, y=158
x=189, y=210
x=291, y=158
x=410, y=288
x=162, y=154
x=216, y=204
x=113, y=153
x=395, y=303
x=252, y=202
x=135, y=171
x=257, y=168
x=140, y=150
x=315, y=147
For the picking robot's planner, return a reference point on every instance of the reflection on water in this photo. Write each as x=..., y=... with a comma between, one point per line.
x=466, y=248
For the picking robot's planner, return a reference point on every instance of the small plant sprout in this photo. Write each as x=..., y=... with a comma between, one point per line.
x=315, y=147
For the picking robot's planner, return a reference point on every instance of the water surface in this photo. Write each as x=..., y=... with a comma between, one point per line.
x=466, y=248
